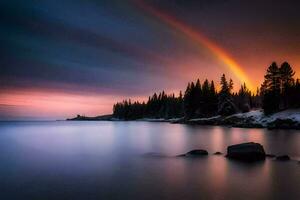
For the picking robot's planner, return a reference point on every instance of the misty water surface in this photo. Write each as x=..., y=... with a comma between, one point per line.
x=112, y=160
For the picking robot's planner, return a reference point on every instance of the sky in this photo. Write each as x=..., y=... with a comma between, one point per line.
x=63, y=58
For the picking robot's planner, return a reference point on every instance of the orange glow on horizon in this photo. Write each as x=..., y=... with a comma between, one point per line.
x=201, y=40
x=59, y=105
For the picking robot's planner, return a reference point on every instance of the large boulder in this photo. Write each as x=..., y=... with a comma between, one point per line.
x=246, y=152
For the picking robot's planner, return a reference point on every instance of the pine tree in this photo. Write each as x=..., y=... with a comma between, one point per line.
x=296, y=94
x=230, y=85
x=225, y=104
x=286, y=75
x=244, y=98
x=213, y=99
x=272, y=78
x=205, y=98
x=197, y=99
x=188, y=101
x=180, y=105
x=271, y=89
x=287, y=82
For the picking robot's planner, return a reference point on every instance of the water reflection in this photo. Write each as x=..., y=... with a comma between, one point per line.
x=218, y=140
x=103, y=160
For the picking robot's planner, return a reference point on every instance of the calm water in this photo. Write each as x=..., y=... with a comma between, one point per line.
x=105, y=160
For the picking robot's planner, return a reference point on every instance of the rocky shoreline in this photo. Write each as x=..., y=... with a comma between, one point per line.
x=288, y=119
x=246, y=122
x=254, y=119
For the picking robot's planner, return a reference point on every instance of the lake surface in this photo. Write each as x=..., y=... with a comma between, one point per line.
x=113, y=160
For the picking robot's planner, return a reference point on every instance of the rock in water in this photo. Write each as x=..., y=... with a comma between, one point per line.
x=270, y=155
x=283, y=158
x=246, y=152
x=218, y=153
x=197, y=152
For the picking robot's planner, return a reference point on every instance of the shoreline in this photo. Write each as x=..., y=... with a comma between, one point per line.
x=288, y=119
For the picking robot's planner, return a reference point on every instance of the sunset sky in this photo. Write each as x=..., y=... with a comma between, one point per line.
x=62, y=58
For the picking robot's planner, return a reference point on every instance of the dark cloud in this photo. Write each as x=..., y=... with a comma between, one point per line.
x=114, y=46
x=94, y=45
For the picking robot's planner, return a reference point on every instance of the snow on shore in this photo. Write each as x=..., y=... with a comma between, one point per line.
x=288, y=119
x=259, y=117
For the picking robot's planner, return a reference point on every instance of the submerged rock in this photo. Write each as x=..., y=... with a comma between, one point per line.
x=218, y=153
x=197, y=152
x=283, y=158
x=246, y=152
x=270, y=155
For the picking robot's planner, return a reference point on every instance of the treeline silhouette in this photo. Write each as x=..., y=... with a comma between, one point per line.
x=157, y=106
x=279, y=91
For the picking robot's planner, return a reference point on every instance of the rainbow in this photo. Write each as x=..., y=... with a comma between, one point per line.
x=201, y=40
